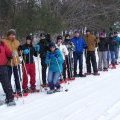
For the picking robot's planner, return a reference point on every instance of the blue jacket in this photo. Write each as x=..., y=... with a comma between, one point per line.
x=55, y=61
x=79, y=44
x=117, y=39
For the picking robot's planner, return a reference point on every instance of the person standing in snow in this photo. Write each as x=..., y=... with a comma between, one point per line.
x=112, y=49
x=42, y=48
x=28, y=52
x=117, y=39
x=102, y=52
x=69, y=59
x=5, y=54
x=92, y=42
x=54, y=59
x=13, y=64
x=64, y=52
x=80, y=45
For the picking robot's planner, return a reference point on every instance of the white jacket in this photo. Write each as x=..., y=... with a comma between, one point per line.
x=63, y=49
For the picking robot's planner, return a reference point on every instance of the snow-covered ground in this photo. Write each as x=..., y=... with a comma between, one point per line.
x=90, y=98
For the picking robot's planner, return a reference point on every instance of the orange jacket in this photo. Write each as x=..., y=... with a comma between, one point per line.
x=92, y=42
x=13, y=46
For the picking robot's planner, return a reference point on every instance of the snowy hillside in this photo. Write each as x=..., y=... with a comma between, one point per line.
x=90, y=98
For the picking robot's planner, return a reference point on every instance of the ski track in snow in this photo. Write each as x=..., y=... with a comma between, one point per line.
x=90, y=98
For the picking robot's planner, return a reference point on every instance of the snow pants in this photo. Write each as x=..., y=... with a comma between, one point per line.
x=44, y=70
x=29, y=70
x=78, y=57
x=112, y=54
x=53, y=80
x=16, y=71
x=102, y=63
x=6, y=83
x=116, y=54
x=91, y=59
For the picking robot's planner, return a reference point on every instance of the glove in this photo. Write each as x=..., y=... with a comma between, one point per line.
x=14, y=53
x=37, y=48
x=26, y=51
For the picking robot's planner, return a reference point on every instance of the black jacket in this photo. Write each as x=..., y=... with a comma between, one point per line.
x=103, y=44
x=29, y=58
x=44, y=47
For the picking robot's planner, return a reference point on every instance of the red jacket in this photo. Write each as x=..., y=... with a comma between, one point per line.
x=5, y=53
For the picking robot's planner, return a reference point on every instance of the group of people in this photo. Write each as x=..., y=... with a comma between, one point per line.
x=60, y=56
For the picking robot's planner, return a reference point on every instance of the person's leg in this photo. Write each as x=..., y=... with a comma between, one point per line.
x=75, y=63
x=112, y=58
x=105, y=63
x=44, y=70
x=50, y=80
x=88, y=62
x=32, y=76
x=56, y=76
x=100, y=55
x=94, y=63
x=6, y=84
x=25, y=76
x=64, y=70
x=17, y=78
x=68, y=66
x=9, y=72
x=81, y=64
x=108, y=57
x=116, y=54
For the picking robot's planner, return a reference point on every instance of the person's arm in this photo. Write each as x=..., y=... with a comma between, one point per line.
x=48, y=59
x=84, y=44
x=65, y=50
x=8, y=52
x=59, y=57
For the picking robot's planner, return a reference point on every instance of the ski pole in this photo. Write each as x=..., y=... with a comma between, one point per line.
x=14, y=78
x=66, y=90
x=39, y=70
x=24, y=65
x=19, y=79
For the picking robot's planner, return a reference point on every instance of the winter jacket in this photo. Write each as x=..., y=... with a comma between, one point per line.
x=112, y=44
x=63, y=50
x=70, y=46
x=13, y=46
x=103, y=44
x=117, y=39
x=44, y=47
x=79, y=44
x=5, y=53
x=92, y=42
x=28, y=58
x=55, y=61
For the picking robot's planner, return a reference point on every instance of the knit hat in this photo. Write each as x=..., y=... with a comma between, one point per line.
x=52, y=44
x=29, y=37
x=59, y=37
x=67, y=36
x=11, y=31
x=77, y=31
x=101, y=34
x=88, y=30
x=42, y=36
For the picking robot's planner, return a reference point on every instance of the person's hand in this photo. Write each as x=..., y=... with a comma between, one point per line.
x=26, y=51
x=14, y=53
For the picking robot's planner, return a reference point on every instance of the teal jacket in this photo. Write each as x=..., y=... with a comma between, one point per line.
x=117, y=39
x=55, y=61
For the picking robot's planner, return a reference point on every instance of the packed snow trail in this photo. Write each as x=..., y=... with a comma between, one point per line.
x=90, y=98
